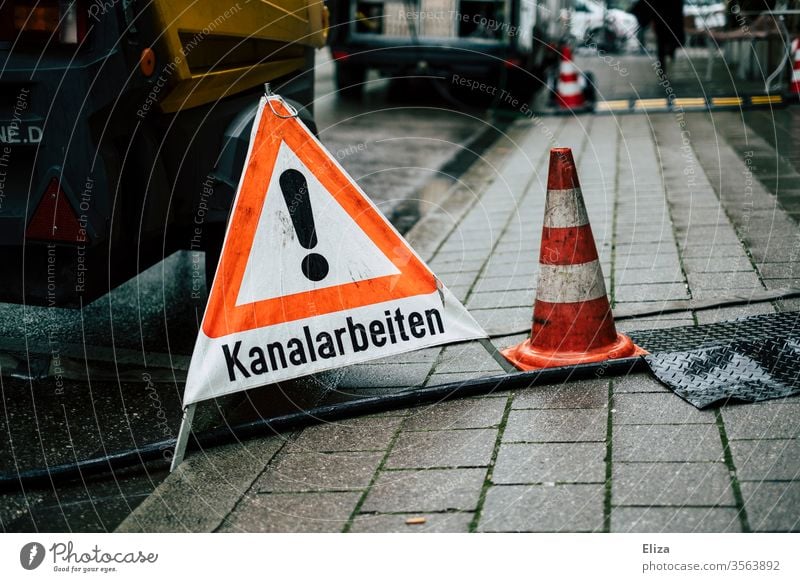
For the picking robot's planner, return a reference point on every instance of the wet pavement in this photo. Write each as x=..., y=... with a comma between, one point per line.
x=82, y=383
x=485, y=464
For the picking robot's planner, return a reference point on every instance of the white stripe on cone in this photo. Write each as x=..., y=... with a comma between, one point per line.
x=569, y=89
x=571, y=283
x=565, y=209
x=568, y=68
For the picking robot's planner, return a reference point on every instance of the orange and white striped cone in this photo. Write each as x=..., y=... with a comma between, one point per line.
x=572, y=319
x=794, y=85
x=570, y=86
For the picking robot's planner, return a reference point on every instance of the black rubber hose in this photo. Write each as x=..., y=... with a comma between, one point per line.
x=407, y=398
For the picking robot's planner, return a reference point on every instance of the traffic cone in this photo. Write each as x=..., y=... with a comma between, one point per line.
x=570, y=85
x=794, y=86
x=572, y=320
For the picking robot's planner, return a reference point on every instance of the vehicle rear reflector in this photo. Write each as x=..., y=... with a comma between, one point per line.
x=54, y=219
x=40, y=20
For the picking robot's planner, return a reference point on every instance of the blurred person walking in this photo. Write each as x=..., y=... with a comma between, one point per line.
x=667, y=19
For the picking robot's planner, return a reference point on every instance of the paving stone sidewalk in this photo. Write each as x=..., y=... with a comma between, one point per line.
x=678, y=211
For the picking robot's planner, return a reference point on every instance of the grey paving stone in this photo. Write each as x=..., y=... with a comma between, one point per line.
x=298, y=472
x=634, y=383
x=458, y=278
x=659, y=408
x=641, y=309
x=454, y=522
x=385, y=375
x=698, y=237
x=471, y=357
x=370, y=433
x=416, y=357
x=573, y=394
x=441, y=268
x=716, y=294
x=770, y=460
x=463, y=413
x=501, y=264
x=667, y=442
x=460, y=377
x=460, y=292
x=527, y=265
x=519, y=298
x=657, y=322
x=651, y=249
x=292, y=512
x=505, y=320
x=738, y=279
x=667, y=259
x=217, y=479
x=776, y=419
x=642, y=235
x=652, y=292
x=793, y=283
x=442, y=257
x=675, y=520
x=713, y=251
x=718, y=265
x=524, y=463
x=772, y=506
x=779, y=270
x=543, y=508
x=556, y=425
x=730, y=313
x=426, y=490
x=443, y=448
x=679, y=484
x=648, y=276
x=505, y=284
x=457, y=242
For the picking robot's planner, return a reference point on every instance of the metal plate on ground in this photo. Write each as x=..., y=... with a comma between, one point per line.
x=746, y=360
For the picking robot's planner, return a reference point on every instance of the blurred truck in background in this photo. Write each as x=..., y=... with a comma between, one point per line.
x=124, y=126
x=498, y=41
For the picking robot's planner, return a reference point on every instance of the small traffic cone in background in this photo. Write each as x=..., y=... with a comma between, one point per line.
x=794, y=85
x=572, y=320
x=570, y=86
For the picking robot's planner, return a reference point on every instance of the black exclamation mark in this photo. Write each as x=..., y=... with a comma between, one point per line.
x=295, y=192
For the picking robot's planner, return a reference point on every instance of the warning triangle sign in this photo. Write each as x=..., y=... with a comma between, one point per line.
x=311, y=276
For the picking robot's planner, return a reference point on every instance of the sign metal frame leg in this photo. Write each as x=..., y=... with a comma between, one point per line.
x=183, y=436
x=507, y=366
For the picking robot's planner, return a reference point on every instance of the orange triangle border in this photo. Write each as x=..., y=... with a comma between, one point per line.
x=223, y=317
